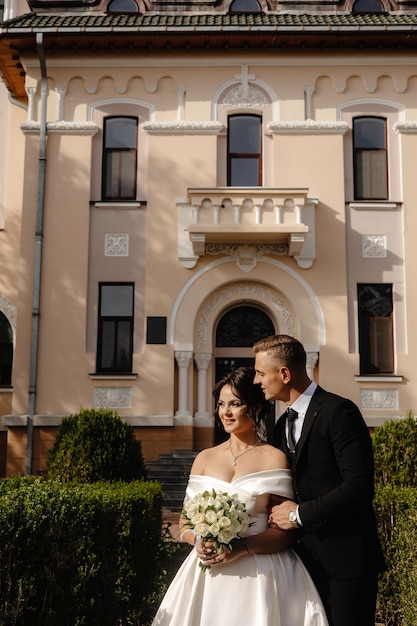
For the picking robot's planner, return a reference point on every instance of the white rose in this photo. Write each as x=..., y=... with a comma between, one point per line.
x=191, y=508
x=226, y=535
x=198, y=518
x=201, y=529
x=211, y=516
x=224, y=501
x=224, y=522
x=214, y=529
x=236, y=525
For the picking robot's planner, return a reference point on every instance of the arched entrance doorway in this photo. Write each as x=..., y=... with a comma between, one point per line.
x=236, y=332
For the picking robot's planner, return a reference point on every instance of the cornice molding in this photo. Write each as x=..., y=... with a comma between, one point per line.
x=64, y=128
x=182, y=127
x=308, y=127
x=405, y=127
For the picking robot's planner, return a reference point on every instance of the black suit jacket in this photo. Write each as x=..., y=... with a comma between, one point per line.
x=334, y=486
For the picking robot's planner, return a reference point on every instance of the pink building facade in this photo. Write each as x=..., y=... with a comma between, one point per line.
x=179, y=180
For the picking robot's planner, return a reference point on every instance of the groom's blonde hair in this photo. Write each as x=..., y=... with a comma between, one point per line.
x=284, y=348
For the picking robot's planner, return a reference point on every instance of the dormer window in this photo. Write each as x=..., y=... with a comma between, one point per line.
x=245, y=6
x=122, y=6
x=367, y=6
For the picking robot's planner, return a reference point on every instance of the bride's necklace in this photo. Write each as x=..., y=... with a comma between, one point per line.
x=237, y=456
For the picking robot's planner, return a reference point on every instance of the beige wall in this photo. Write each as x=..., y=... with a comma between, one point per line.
x=317, y=304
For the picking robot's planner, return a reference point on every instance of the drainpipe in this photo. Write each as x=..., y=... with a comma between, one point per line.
x=38, y=257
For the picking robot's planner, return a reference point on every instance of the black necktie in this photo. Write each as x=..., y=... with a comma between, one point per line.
x=291, y=417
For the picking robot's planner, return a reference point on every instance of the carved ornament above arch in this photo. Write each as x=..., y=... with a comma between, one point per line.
x=238, y=292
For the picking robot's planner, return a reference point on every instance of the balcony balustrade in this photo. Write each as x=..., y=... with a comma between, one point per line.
x=252, y=220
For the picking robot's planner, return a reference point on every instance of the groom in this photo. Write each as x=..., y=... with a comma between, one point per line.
x=330, y=452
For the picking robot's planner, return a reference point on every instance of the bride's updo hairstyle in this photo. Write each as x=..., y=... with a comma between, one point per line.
x=252, y=396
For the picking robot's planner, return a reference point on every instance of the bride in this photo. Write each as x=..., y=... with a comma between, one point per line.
x=260, y=581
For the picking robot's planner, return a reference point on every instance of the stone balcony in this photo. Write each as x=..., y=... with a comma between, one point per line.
x=246, y=222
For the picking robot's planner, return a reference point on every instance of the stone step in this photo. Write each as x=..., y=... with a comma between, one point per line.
x=172, y=471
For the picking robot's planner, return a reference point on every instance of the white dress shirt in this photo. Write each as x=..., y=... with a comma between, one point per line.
x=301, y=405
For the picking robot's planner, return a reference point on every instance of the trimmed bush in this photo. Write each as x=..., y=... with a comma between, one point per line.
x=78, y=555
x=396, y=511
x=95, y=445
x=395, y=452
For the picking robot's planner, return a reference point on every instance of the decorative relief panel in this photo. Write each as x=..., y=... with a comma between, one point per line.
x=113, y=397
x=116, y=245
x=245, y=96
x=246, y=256
x=374, y=245
x=377, y=399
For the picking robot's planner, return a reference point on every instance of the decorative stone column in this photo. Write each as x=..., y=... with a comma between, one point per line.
x=61, y=91
x=181, y=91
x=308, y=95
x=202, y=417
x=31, y=92
x=312, y=358
x=183, y=359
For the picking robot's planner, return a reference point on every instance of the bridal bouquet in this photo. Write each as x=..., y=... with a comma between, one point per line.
x=216, y=516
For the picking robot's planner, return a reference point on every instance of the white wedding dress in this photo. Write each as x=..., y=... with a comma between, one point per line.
x=253, y=590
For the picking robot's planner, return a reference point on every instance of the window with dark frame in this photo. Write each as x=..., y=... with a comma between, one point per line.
x=6, y=352
x=244, y=149
x=376, y=332
x=115, y=328
x=370, y=159
x=120, y=147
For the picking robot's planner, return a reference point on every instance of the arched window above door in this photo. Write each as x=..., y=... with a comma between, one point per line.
x=242, y=326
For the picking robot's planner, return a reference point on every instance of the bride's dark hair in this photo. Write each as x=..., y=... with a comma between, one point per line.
x=241, y=382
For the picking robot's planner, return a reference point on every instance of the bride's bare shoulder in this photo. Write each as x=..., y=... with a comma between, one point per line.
x=204, y=458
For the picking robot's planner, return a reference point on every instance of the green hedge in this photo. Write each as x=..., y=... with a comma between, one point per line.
x=396, y=510
x=78, y=555
x=395, y=452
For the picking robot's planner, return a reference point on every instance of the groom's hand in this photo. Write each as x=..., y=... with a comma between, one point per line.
x=278, y=517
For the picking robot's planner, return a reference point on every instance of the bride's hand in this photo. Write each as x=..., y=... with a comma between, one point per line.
x=210, y=555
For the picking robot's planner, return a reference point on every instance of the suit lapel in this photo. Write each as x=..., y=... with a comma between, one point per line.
x=313, y=410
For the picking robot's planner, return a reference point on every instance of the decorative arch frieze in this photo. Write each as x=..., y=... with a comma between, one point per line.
x=238, y=292
x=244, y=90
